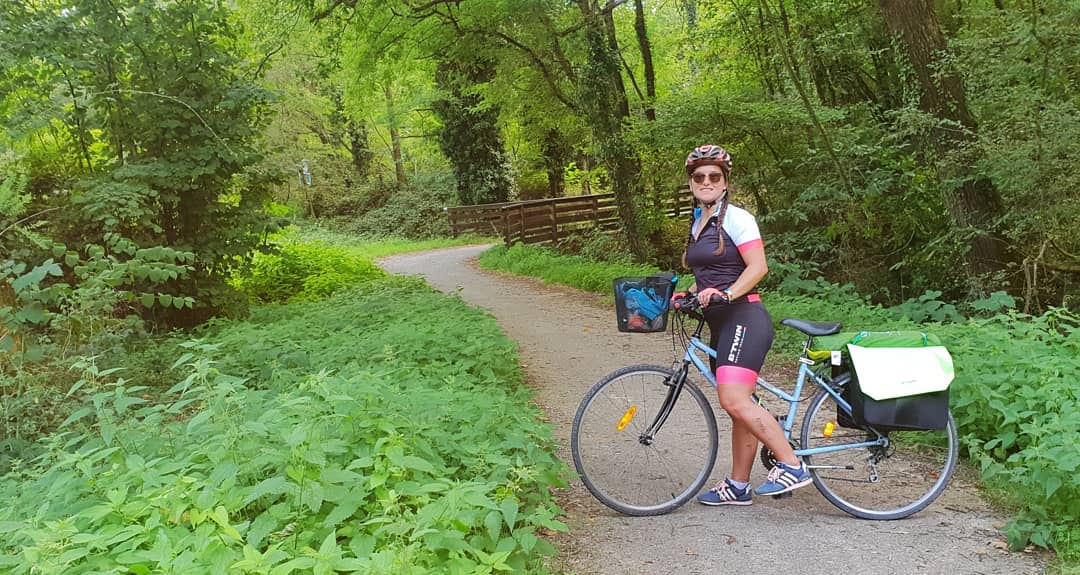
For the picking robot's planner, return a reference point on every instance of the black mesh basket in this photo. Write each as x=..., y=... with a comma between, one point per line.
x=641, y=302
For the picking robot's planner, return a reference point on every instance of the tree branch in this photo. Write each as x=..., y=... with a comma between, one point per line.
x=633, y=81
x=266, y=59
x=330, y=9
x=538, y=62
x=433, y=3
x=1054, y=245
x=607, y=8
x=27, y=218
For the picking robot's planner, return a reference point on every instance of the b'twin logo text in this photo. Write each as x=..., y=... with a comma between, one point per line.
x=736, y=344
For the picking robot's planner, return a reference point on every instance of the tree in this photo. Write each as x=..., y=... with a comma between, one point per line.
x=160, y=127
x=470, y=135
x=972, y=199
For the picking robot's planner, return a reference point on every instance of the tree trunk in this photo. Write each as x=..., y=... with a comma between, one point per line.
x=622, y=102
x=555, y=153
x=470, y=136
x=774, y=84
x=357, y=141
x=646, y=59
x=971, y=198
x=395, y=140
x=603, y=98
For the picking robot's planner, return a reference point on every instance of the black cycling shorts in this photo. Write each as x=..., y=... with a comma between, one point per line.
x=741, y=334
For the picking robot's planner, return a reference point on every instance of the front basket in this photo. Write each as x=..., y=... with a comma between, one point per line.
x=641, y=302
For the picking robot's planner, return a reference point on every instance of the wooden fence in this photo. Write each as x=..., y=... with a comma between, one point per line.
x=547, y=221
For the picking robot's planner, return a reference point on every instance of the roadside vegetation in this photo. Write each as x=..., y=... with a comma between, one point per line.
x=1014, y=398
x=328, y=434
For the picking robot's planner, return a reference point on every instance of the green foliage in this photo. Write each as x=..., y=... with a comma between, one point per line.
x=594, y=245
x=413, y=213
x=470, y=135
x=305, y=271
x=573, y=271
x=1017, y=405
x=382, y=450
x=927, y=307
x=156, y=127
x=13, y=182
x=376, y=248
x=1018, y=68
x=88, y=301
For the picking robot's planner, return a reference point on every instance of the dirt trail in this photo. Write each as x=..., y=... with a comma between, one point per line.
x=568, y=341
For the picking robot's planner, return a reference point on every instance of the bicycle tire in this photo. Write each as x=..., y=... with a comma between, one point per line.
x=617, y=467
x=914, y=470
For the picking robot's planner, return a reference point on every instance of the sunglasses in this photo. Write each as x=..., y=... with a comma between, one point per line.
x=714, y=177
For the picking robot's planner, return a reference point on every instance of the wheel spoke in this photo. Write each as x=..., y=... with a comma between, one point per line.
x=621, y=471
x=910, y=473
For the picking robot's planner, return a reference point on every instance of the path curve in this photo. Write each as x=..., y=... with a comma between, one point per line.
x=562, y=331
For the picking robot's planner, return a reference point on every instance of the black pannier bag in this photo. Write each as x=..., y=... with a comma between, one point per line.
x=911, y=372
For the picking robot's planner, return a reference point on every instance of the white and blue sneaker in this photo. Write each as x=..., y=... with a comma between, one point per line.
x=726, y=494
x=784, y=478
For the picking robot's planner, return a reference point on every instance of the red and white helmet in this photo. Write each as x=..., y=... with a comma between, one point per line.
x=708, y=155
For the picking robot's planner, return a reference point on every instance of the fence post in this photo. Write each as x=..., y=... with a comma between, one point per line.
x=521, y=222
x=450, y=218
x=505, y=216
x=554, y=223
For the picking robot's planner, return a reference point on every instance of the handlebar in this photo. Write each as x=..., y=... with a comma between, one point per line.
x=690, y=303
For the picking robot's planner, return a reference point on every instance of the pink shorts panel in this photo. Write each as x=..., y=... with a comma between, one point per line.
x=733, y=374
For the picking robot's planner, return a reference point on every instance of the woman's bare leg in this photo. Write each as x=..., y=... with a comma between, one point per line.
x=736, y=401
x=743, y=450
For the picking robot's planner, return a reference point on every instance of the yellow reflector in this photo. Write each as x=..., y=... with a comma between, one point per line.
x=829, y=429
x=626, y=417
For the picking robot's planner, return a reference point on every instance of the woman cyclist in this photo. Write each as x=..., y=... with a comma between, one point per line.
x=725, y=252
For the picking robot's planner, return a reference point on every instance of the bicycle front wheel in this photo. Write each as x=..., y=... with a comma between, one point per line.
x=879, y=482
x=625, y=467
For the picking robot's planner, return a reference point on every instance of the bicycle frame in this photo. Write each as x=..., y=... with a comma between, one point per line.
x=695, y=345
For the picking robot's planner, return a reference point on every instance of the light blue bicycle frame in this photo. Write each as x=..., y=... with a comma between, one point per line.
x=793, y=398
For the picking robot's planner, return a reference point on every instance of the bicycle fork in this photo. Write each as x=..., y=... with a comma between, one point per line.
x=675, y=384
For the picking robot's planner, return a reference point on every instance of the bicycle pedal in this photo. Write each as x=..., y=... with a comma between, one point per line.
x=783, y=495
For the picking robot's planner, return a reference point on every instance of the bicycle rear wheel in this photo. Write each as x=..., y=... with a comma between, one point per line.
x=625, y=468
x=882, y=483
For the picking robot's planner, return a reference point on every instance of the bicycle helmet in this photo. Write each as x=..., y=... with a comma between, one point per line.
x=708, y=155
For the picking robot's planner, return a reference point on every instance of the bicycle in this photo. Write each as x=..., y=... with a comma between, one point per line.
x=644, y=439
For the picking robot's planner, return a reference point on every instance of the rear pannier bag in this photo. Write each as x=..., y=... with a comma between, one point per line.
x=899, y=379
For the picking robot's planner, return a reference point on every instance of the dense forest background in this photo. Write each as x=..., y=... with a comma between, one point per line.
x=901, y=146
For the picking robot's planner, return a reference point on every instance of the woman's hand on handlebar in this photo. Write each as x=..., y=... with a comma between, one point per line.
x=710, y=295
x=693, y=301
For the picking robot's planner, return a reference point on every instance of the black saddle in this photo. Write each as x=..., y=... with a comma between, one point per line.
x=813, y=328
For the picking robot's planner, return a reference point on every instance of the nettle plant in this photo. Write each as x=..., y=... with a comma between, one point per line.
x=91, y=296
x=432, y=462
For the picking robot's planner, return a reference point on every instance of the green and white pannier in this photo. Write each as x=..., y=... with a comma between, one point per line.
x=899, y=379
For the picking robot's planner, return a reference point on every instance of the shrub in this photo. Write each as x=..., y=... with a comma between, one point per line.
x=305, y=271
x=413, y=213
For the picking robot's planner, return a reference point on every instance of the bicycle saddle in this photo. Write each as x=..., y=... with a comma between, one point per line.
x=813, y=328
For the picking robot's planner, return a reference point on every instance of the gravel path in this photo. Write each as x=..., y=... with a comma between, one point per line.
x=568, y=341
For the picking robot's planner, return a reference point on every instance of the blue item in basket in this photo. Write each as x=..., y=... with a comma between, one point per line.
x=645, y=302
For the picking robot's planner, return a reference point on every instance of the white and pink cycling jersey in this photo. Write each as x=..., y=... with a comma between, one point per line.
x=740, y=233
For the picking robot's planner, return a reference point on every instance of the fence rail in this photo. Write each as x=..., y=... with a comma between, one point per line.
x=548, y=221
